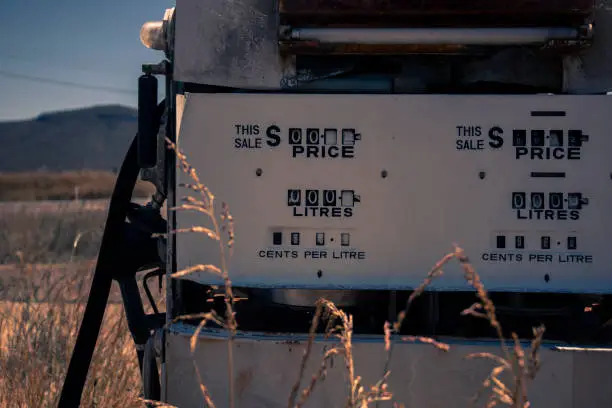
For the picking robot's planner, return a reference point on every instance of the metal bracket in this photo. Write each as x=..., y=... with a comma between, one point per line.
x=162, y=68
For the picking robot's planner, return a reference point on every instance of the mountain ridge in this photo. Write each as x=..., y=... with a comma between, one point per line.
x=88, y=138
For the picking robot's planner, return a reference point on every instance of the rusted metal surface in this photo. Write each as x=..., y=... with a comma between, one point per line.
x=231, y=44
x=434, y=13
x=590, y=72
x=419, y=7
x=315, y=48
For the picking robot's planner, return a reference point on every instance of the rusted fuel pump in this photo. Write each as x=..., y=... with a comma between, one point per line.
x=355, y=141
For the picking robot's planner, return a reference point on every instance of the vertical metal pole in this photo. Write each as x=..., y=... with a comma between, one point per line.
x=170, y=180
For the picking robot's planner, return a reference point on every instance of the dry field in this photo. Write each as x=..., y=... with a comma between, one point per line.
x=44, y=185
x=45, y=233
x=44, y=282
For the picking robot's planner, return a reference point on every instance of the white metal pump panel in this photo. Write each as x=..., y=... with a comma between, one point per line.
x=370, y=191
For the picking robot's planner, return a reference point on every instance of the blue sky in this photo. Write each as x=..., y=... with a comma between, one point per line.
x=93, y=43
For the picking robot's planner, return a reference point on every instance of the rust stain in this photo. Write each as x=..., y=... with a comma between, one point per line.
x=416, y=7
x=243, y=381
x=415, y=13
x=313, y=48
x=290, y=341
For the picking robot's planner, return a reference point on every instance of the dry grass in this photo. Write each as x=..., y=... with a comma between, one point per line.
x=41, y=307
x=49, y=236
x=46, y=265
x=44, y=185
x=37, y=334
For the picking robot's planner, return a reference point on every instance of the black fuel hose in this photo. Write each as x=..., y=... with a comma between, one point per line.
x=108, y=262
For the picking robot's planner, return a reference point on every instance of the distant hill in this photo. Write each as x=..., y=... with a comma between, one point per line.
x=93, y=138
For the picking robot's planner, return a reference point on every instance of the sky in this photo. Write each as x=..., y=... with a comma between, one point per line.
x=66, y=54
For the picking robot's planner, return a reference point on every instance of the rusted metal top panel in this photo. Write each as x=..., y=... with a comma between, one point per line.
x=416, y=7
x=435, y=12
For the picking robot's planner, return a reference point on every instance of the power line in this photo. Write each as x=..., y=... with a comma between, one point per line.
x=65, y=83
x=72, y=66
